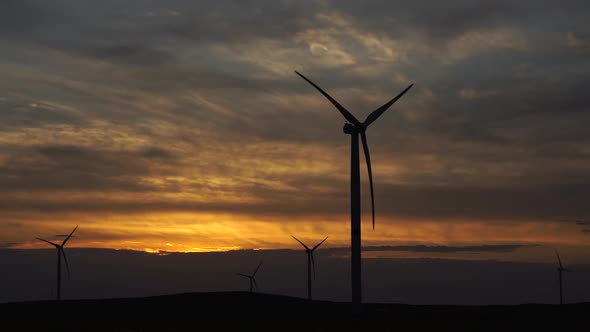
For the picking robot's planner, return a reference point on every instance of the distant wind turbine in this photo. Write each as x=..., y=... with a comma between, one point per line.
x=252, y=278
x=354, y=127
x=560, y=269
x=60, y=252
x=310, y=263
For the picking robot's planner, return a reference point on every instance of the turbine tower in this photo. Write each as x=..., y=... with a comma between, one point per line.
x=252, y=278
x=310, y=263
x=60, y=252
x=354, y=128
x=560, y=269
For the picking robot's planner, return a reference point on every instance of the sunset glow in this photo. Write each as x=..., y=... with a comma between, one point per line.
x=155, y=136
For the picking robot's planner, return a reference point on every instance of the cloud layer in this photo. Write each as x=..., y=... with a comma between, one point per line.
x=145, y=107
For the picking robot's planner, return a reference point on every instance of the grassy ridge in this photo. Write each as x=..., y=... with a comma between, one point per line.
x=227, y=311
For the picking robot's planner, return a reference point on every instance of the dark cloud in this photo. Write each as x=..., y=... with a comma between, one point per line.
x=157, y=153
x=133, y=55
x=433, y=203
x=20, y=18
x=443, y=21
x=69, y=167
x=490, y=131
x=105, y=29
x=444, y=249
x=64, y=235
x=16, y=113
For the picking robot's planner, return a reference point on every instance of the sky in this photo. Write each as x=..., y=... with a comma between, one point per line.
x=181, y=126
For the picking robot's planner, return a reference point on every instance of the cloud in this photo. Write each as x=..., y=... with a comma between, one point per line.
x=474, y=94
x=133, y=55
x=574, y=41
x=67, y=167
x=445, y=249
x=191, y=106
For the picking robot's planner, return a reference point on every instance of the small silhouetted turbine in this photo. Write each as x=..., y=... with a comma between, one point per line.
x=252, y=278
x=60, y=252
x=310, y=263
x=560, y=269
x=354, y=128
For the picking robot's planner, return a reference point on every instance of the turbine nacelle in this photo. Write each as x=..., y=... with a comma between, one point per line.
x=351, y=129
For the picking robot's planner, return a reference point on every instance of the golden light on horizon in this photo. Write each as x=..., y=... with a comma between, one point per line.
x=213, y=232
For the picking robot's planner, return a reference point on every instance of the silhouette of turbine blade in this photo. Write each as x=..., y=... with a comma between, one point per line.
x=368, y=159
x=253, y=274
x=255, y=283
x=319, y=244
x=347, y=115
x=63, y=253
x=568, y=270
x=558, y=259
x=53, y=244
x=243, y=275
x=377, y=113
x=69, y=236
x=303, y=244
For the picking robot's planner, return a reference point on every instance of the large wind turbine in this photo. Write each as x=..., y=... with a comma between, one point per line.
x=310, y=263
x=353, y=128
x=252, y=278
x=60, y=252
x=560, y=269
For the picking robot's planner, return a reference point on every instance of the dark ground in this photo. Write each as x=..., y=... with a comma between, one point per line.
x=263, y=312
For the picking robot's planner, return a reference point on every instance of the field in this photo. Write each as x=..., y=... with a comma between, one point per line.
x=230, y=311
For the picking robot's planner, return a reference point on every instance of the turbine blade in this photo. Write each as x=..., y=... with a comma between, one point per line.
x=368, y=159
x=243, y=275
x=253, y=274
x=377, y=113
x=69, y=236
x=53, y=244
x=255, y=283
x=63, y=252
x=303, y=244
x=347, y=115
x=568, y=270
x=558, y=259
x=319, y=244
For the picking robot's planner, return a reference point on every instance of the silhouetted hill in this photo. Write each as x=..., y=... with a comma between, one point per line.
x=231, y=310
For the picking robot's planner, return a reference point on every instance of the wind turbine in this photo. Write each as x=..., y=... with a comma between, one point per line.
x=560, y=269
x=310, y=263
x=60, y=252
x=252, y=278
x=354, y=128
